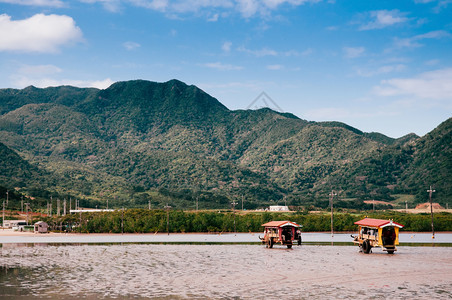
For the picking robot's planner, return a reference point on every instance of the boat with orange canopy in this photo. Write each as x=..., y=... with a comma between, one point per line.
x=281, y=232
x=377, y=233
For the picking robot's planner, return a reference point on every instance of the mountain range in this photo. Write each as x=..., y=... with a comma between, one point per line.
x=139, y=142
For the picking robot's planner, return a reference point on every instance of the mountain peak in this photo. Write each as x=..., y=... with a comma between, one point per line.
x=144, y=103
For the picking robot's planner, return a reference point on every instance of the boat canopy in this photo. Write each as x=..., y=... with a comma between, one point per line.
x=378, y=223
x=281, y=224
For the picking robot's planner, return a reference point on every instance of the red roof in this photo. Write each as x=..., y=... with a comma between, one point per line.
x=377, y=223
x=280, y=224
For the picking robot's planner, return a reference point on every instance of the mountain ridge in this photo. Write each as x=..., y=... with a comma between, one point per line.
x=176, y=137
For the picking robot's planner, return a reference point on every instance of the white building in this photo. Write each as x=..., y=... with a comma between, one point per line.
x=12, y=223
x=279, y=208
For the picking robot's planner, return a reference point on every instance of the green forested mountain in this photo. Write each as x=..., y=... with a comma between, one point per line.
x=141, y=141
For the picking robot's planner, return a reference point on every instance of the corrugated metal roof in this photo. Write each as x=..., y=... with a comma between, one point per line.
x=377, y=223
x=281, y=224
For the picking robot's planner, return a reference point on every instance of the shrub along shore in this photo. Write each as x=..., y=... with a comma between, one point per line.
x=151, y=221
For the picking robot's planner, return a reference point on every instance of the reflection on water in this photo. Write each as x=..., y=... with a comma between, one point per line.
x=145, y=271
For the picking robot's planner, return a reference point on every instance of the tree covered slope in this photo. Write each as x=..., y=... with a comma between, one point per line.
x=174, y=138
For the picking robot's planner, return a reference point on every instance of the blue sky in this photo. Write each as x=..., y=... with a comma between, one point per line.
x=383, y=66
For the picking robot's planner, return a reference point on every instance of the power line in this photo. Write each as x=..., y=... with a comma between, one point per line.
x=167, y=207
x=233, y=212
x=332, y=194
x=430, y=192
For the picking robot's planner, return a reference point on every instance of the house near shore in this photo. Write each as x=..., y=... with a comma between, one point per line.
x=41, y=227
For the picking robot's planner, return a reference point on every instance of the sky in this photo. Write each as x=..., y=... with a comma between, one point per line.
x=380, y=66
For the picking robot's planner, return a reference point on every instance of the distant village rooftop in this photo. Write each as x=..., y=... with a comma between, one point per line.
x=90, y=210
x=279, y=208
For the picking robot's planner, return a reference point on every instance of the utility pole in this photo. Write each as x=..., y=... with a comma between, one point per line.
x=406, y=206
x=3, y=219
x=27, y=207
x=149, y=204
x=50, y=207
x=167, y=207
x=332, y=194
x=122, y=221
x=233, y=212
x=197, y=200
x=430, y=192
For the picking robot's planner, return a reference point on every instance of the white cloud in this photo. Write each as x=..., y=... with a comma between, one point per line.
x=249, y=8
x=223, y=67
x=270, y=52
x=259, y=53
x=275, y=67
x=23, y=81
x=39, y=33
x=213, y=18
x=131, y=45
x=159, y=5
x=429, y=85
x=110, y=5
x=307, y=52
x=226, y=47
x=184, y=6
x=49, y=3
x=100, y=84
x=350, y=52
x=39, y=69
x=414, y=42
x=384, y=18
x=207, y=8
x=432, y=62
x=380, y=70
x=439, y=6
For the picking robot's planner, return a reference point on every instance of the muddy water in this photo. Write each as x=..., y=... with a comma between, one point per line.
x=141, y=271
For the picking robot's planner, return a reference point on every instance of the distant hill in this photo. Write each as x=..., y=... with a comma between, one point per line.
x=15, y=170
x=140, y=141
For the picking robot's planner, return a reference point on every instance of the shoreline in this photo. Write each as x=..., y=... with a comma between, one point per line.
x=14, y=237
x=10, y=232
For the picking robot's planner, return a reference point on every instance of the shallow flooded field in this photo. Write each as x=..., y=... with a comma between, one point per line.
x=151, y=271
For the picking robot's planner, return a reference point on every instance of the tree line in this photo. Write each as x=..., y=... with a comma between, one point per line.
x=178, y=221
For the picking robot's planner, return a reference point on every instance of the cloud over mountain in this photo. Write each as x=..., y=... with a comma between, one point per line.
x=39, y=33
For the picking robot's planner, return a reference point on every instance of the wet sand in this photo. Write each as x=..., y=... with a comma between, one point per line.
x=223, y=272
